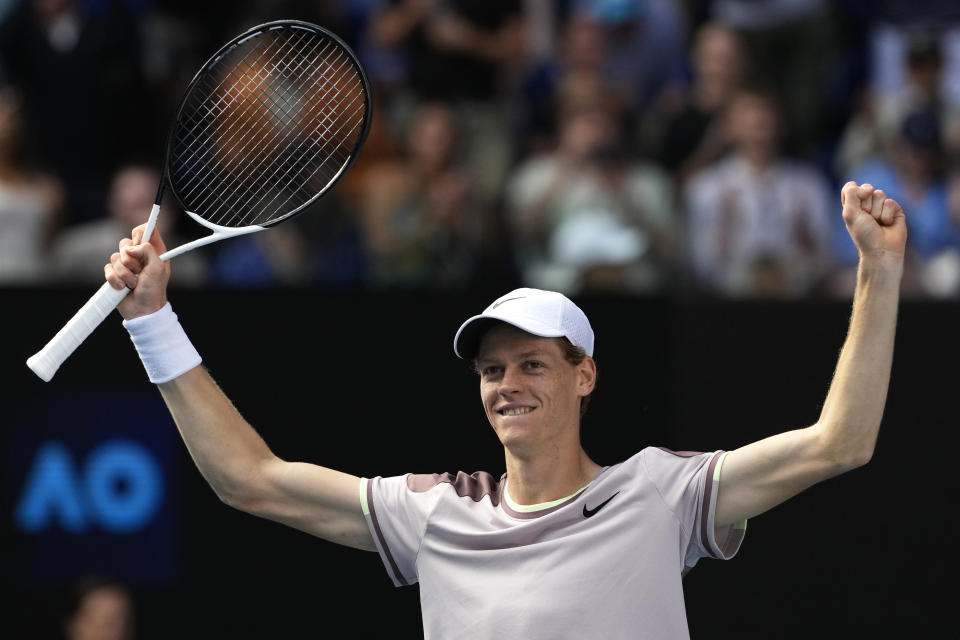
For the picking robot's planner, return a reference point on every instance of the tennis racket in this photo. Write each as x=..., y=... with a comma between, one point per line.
x=269, y=124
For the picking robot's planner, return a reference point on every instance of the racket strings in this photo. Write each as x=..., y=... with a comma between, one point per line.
x=212, y=105
x=293, y=177
x=321, y=137
x=249, y=130
x=218, y=100
x=288, y=176
x=241, y=128
x=198, y=157
x=266, y=110
x=268, y=129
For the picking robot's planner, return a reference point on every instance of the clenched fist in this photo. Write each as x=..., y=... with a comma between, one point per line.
x=875, y=222
x=139, y=268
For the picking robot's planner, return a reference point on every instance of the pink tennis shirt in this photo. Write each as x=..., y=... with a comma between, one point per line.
x=606, y=562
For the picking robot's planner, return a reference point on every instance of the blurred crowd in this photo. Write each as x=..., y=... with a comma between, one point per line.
x=634, y=147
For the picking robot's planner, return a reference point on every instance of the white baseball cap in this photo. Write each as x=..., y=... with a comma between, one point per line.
x=547, y=314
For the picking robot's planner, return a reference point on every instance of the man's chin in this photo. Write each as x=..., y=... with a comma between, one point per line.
x=513, y=432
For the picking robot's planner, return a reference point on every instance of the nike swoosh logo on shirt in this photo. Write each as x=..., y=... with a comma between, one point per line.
x=587, y=513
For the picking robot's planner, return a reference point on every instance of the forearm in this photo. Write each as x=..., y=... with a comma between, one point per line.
x=852, y=412
x=226, y=449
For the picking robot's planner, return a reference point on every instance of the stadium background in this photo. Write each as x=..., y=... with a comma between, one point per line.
x=360, y=376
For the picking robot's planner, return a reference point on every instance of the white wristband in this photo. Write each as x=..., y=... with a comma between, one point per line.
x=163, y=345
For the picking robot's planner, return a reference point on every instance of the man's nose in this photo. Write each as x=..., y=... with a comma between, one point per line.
x=511, y=382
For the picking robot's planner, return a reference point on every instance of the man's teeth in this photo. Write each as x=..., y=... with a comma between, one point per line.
x=516, y=411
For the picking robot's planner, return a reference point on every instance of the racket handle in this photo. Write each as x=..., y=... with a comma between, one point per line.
x=45, y=362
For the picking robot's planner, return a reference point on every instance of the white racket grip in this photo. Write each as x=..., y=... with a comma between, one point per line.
x=45, y=362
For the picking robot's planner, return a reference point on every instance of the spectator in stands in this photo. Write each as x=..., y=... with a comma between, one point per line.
x=30, y=201
x=758, y=222
x=587, y=215
x=79, y=250
x=914, y=173
x=942, y=275
x=790, y=45
x=876, y=124
x=646, y=52
x=463, y=53
x=323, y=247
x=77, y=65
x=894, y=29
x=691, y=133
x=456, y=50
x=101, y=608
x=687, y=132
x=424, y=220
x=578, y=64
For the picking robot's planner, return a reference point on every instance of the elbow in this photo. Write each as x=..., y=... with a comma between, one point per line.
x=845, y=454
x=241, y=491
x=232, y=495
x=246, y=500
x=854, y=460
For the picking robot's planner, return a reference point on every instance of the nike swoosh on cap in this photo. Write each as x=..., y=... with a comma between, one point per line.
x=500, y=302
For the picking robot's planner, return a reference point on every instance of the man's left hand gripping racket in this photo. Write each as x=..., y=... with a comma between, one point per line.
x=269, y=124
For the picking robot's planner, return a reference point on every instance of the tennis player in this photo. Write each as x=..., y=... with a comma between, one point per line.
x=558, y=546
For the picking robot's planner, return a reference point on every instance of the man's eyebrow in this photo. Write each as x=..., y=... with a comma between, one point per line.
x=532, y=353
x=482, y=360
x=520, y=356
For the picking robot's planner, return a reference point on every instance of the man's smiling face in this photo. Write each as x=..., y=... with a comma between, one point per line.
x=530, y=391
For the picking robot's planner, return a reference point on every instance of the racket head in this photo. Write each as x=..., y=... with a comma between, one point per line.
x=268, y=125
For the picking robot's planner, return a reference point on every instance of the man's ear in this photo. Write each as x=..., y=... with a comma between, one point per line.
x=586, y=376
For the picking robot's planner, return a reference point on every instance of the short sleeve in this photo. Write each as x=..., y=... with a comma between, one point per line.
x=397, y=519
x=688, y=483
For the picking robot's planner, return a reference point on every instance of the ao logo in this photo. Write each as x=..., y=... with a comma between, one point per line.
x=119, y=489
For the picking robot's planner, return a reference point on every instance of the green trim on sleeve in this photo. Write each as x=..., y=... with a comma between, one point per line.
x=363, y=497
x=739, y=526
x=716, y=469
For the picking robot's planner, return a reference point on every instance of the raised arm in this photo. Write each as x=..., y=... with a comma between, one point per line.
x=230, y=455
x=761, y=475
